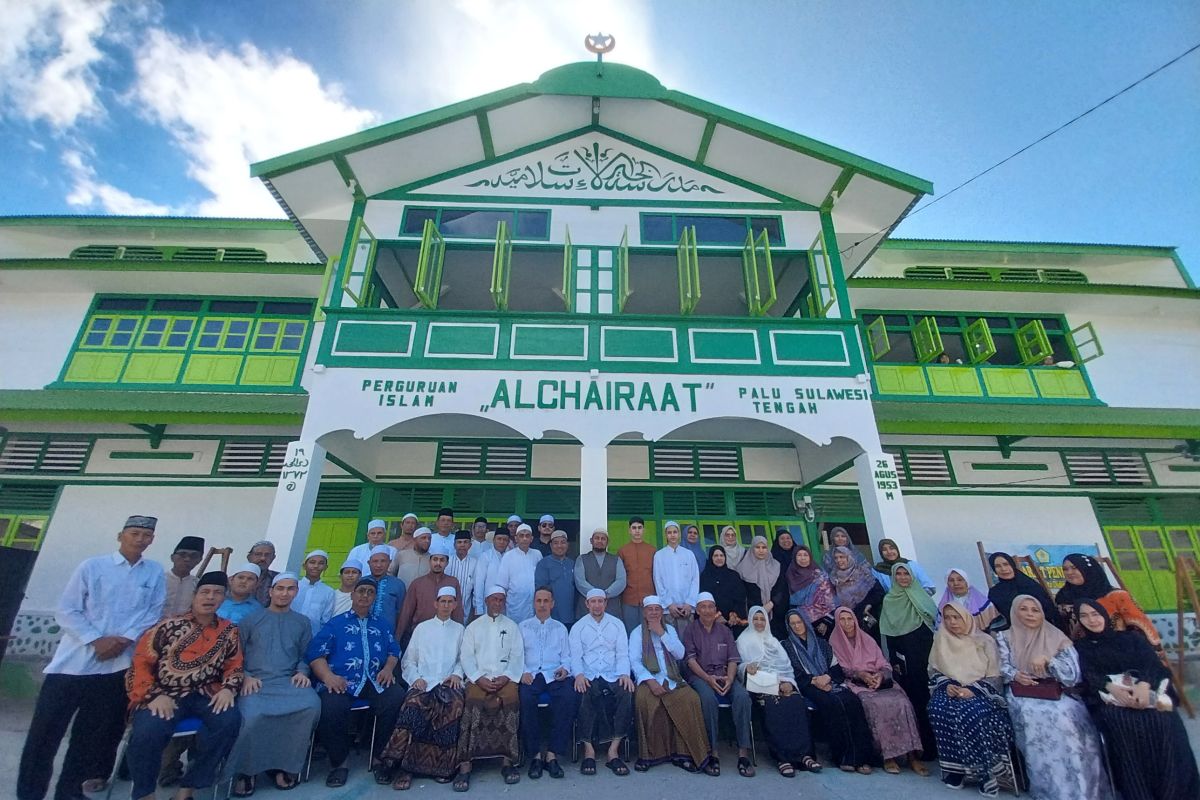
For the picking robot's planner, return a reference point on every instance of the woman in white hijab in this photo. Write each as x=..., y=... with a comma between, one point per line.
x=767, y=671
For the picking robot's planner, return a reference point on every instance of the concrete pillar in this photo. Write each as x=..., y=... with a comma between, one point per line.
x=295, y=499
x=593, y=492
x=882, y=502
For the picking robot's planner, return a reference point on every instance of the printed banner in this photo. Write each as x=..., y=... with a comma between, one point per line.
x=1048, y=557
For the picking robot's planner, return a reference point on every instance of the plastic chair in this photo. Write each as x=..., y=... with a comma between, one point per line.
x=357, y=705
x=185, y=726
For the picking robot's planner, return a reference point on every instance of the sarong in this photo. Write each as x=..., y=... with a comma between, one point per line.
x=489, y=724
x=671, y=726
x=426, y=736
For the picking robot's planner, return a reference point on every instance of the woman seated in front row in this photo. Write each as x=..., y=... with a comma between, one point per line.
x=1147, y=743
x=889, y=712
x=966, y=707
x=1052, y=729
x=822, y=682
x=767, y=671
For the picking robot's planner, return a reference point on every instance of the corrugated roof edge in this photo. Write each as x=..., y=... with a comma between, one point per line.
x=101, y=220
x=1030, y=247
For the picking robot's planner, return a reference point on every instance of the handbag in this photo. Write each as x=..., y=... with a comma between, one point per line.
x=1043, y=689
x=762, y=682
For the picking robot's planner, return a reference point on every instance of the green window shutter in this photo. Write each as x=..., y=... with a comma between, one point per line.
x=501, y=266
x=687, y=262
x=568, y=282
x=623, y=290
x=428, y=284
x=978, y=339
x=758, y=275
x=820, y=280
x=927, y=340
x=1085, y=343
x=1032, y=343
x=357, y=280
x=877, y=338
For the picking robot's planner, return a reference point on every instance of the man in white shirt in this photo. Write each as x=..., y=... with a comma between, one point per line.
x=676, y=578
x=479, y=540
x=493, y=660
x=433, y=708
x=376, y=536
x=181, y=583
x=315, y=599
x=600, y=661
x=516, y=575
x=463, y=567
x=343, y=597
x=443, y=528
x=108, y=603
x=488, y=569
x=547, y=672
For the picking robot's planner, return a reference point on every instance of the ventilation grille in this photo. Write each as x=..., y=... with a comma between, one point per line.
x=630, y=502
x=471, y=501
x=922, y=467
x=563, y=503
x=115, y=252
x=333, y=498
x=763, y=504
x=1097, y=468
x=460, y=459
x=837, y=506
x=421, y=500
x=686, y=503
x=252, y=458
x=998, y=274
x=702, y=463
x=1018, y=275
x=28, y=497
x=483, y=460
x=44, y=454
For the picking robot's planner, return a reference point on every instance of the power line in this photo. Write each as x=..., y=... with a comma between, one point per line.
x=1036, y=142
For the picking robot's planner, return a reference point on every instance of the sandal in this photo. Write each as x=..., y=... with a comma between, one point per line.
x=713, y=767
x=383, y=775
x=337, y=777
x=811, y=764
x=846, y=768
x=511, y=775
x=462, y=782
x=891, y=767
x=641, y=765
x=865, y=769
x=617, y=766
x=554, y=769
x=402, y=782
x=745, y=768
x=292, y=781
x=787, y=770
x=245, y=786
x=919, y=767
x=588, y=766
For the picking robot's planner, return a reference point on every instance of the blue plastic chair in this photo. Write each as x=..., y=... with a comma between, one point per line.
x=185, y=726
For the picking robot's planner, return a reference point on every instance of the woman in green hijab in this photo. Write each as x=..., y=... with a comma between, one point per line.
x=907, y=620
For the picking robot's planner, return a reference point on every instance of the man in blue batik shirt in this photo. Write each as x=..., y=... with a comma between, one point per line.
x=389, y=590
x=354, y=657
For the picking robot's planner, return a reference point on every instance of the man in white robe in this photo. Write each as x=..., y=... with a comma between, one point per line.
x=488, y=568
x=600, y=661
x=516, y=574
x=676, y=578
x=315, y=599
x=376, y=535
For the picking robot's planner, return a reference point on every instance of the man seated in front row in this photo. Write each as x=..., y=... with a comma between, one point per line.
x=354, y=657
x=547, y=670
x=493, y=660
x=600, y=661
x=425, y=740
x=240, y=597
x=186, y=666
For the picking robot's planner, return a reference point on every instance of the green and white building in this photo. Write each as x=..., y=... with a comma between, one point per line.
x=591, y=296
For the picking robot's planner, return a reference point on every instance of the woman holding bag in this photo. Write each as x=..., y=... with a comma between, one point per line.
x=767, y=671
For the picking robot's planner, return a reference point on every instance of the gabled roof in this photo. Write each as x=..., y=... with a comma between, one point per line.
x=318, y=185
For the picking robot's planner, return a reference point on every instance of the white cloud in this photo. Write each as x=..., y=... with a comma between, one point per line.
x=226, y=109
x=88, y=192
x=48, y=52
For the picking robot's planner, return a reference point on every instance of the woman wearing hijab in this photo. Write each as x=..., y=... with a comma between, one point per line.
x=855, y=587
x=785, y=715
x=907, y=622
x=967, y=709
x=727, y=589
x=1147, y=747
x=1086, y=580
x=1011, y=583
x=888, y=710
x=691, y=543
x=959, y=590
x=809, y=590
x=889, y=555
x=838, y=537
x=784, y=547
x=733, y=548
x=761, y=575
x=1057, y=737
x=823, y=683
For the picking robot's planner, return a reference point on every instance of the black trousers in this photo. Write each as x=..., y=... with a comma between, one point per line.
x=335, y=719
x=605, y=712
x=98, y=704
x=150, y=736
x=563, y=704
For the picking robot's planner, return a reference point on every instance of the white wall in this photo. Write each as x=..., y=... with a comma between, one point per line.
x=945, y=528
x=87, y=519
x=37, y=330
x=1149, y=361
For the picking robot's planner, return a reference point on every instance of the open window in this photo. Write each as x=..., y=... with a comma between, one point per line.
x=501, y=266
x=877, y=339
x=356, y=283
x=568, y=280
x=427, y=285
x=927, y=340
x=821, y=293
x=1085, y=343
x=977, y=339
x=1033, y=344
x=687, y=261
x=758, y=275
x=623, y=288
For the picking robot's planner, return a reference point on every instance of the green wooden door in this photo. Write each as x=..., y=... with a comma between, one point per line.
x=335, y=536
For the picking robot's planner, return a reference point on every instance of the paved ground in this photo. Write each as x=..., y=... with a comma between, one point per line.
x=659, y=783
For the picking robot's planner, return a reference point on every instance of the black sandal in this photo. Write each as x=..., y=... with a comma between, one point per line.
x=713, y=767
x=245, y=786
x=588, y=766
x=641, y=765
x=511, y=775
x=337, y=777
x=787, y=770
x=617, y=766
x=745, y=768
x=462, y=782
x=292, y=780
x=811, y=764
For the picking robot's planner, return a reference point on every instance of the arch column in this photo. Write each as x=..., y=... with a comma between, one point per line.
x=593, y=491
x=882, y=502
x=295, y=500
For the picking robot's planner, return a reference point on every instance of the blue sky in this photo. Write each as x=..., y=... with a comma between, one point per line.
x=158, y=107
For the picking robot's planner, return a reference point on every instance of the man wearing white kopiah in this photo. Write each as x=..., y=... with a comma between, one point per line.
x=676, y=578
x=516, y=573
x=412, y=564
x=315, y=599
x=493, y=660
x=425, y=739
x=376, y=536
x=343, y=596
x=408, y=524
x=600, y=661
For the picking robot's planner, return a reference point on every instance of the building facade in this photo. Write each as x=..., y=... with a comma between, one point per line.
x=593, y=297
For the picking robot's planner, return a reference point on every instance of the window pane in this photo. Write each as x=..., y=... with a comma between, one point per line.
x=121, y=304
x=1002, y=323
x=269, y=327
x=208, y=340
x=294, y=329
x=1179, y=538
x=604, y=304
x=288, y=309
x=127, y=324
x=235, y=341
x=290, y=343
x=657, y=228
x=151, y=339
x=1121, y=540
x=176, y=304
x=264, y=342
x=101, y=323
x=414, y=220
x=902, y=351
x=533, y=225
x=770, y=225
x=239, y=326
x=1006, y=349
x=1157, y=559
x=895, y=319
x=716, y=230
x=472, y=224
x=1150, y=538
x=232, y=307
x=156, y=324
x=945, y=323
x=94, y=339
x=1128, y=560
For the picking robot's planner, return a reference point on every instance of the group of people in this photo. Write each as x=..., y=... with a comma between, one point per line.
x=456, y=642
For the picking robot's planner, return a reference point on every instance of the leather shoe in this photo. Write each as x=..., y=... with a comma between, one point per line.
x=535, y=768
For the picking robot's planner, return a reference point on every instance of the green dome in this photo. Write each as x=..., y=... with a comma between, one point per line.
x=591, y=79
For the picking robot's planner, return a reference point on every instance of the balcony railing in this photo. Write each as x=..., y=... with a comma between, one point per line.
x=394, y=339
